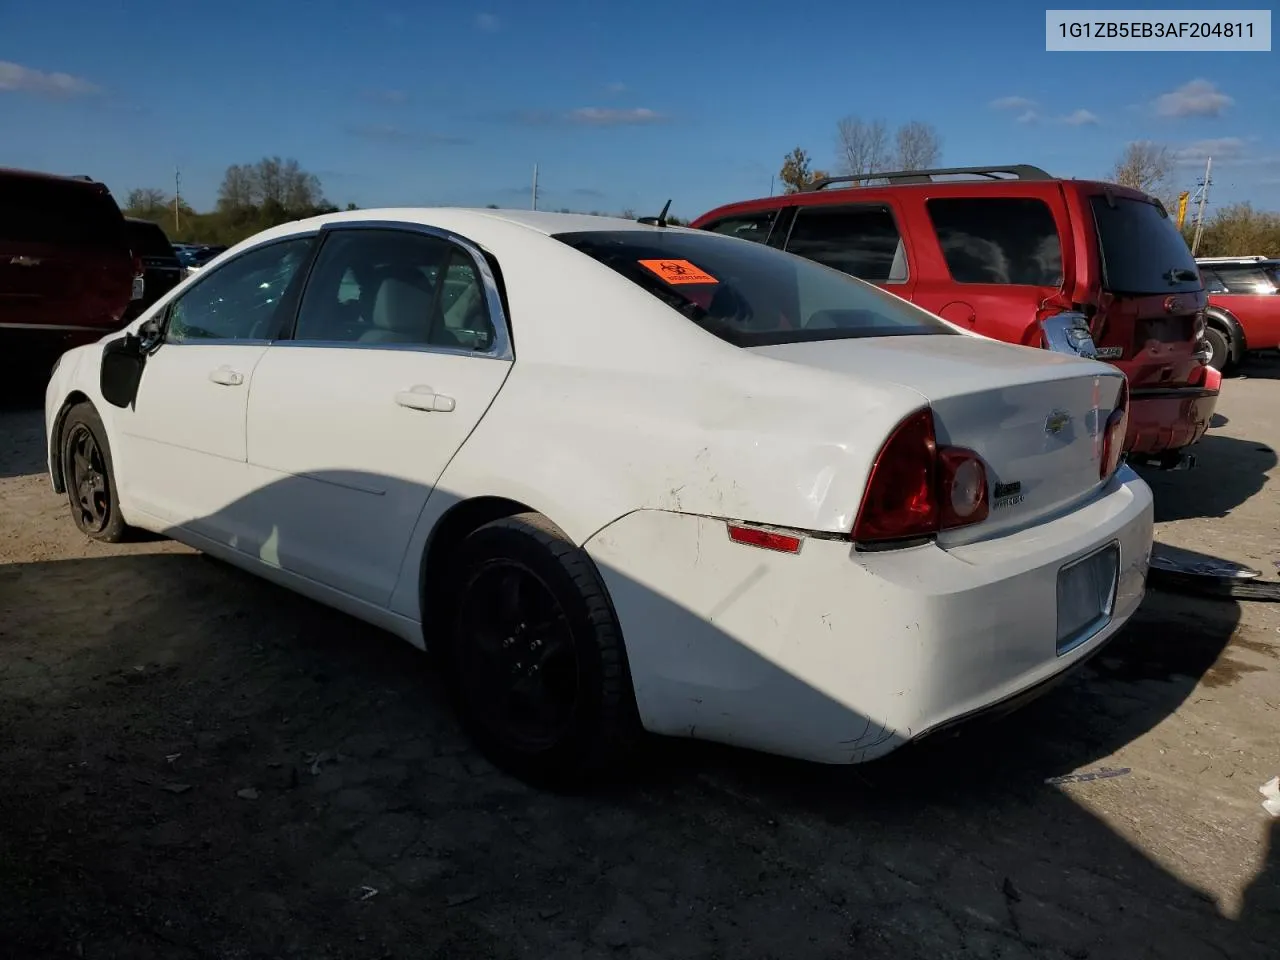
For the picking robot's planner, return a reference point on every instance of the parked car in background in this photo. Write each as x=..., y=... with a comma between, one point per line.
x=161, y=268
x=66, y=267
x=194, y=256
x=1244, y=306
x=623, y=476
x=1013, y=253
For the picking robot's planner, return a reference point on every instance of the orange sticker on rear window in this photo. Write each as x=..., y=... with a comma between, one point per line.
x=678, y=271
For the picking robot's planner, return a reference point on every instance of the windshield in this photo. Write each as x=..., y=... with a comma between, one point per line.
x=752, y=295
x=1142, y=250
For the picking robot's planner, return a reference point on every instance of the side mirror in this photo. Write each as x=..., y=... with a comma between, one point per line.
x=122, y=363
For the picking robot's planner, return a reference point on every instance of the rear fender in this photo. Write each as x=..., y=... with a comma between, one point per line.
x=1226, y=321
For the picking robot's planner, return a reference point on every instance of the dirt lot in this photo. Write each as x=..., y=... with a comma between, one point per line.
x=197, y=764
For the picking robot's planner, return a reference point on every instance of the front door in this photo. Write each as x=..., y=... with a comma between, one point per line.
x=183, y=440
x=398, y=352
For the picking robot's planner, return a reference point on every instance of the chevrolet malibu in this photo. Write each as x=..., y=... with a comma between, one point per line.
x=622, y=477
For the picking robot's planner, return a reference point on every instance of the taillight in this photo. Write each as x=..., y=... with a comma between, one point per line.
x=1068, y=332
x=138, y=269
x=917, y=488
x=1114, y=433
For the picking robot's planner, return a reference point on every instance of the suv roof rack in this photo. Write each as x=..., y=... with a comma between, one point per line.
x=1016, y=171
x=1254, y=259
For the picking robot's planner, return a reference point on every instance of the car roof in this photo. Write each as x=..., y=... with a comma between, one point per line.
x=540, y=221
x=84, y=181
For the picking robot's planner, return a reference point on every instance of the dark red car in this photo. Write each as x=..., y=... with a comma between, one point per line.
x=1244, y=306
x=1018, y=255
x=66, y=266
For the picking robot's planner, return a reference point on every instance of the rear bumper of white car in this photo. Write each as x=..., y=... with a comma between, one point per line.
x=841, y=656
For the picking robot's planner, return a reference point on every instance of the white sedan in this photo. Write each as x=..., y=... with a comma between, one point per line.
x=623, y=477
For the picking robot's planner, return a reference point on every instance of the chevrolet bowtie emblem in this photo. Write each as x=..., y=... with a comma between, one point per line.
x=1056, y=421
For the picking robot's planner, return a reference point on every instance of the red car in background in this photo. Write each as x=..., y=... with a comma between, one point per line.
x=1244, y=306
x=1015, y=254
x=67, y=270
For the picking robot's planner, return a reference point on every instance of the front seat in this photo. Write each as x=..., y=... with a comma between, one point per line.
x=401, y=313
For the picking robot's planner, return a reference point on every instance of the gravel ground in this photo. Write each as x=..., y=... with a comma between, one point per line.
x=194, y=763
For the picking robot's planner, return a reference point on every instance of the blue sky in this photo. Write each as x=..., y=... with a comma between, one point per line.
x=396, y=103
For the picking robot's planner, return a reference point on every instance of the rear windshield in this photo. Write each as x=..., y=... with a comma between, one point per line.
x=148, y=240
x=59, y=212
x=1142, y=250
x=748, y=294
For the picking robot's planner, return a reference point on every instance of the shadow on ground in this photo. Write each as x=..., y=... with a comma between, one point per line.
x=1228, y=472
x=197, y=764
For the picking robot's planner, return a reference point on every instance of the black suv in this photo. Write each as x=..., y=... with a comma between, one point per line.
x=161, y=268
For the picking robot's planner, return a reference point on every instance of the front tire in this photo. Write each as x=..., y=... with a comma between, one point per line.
x=537, y=667
x=89, y=477
x=1221, y=344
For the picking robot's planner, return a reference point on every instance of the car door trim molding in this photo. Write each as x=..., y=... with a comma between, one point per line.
x=502, y=347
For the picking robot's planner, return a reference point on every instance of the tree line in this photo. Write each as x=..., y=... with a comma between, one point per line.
x=254, y=197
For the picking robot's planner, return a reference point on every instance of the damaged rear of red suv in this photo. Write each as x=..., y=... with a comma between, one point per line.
x=1018, y=255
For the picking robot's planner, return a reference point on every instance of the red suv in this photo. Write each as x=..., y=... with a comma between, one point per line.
x=1244, y=306
x=1015, y=254
x=66, y=268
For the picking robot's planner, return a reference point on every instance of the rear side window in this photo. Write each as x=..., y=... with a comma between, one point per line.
x=1011, y=240
x=749, y=226
x=862, y=241
x=59, y=212
x=1246, y=280
x=751, y=295
x=1142, y=250
x=146, y=239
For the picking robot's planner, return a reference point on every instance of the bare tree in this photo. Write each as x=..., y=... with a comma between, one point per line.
x=862, y=146
x=270, y=182
x=919, y=146
x=1144, y=166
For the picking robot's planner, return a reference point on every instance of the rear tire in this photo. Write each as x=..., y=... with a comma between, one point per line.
x=89, y=476
x=535, y=658
x=1221, y=344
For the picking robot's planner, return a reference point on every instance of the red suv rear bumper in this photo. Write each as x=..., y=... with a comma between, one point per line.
x=1166, y=420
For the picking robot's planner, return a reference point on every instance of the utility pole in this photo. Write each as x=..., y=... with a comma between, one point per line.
x=772, y=178
x=535, y=186
x=177, y=197
x=1204, y=198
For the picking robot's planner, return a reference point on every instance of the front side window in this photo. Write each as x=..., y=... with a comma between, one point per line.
x=239, y=300
x=1006, y=240
x=394, y=287
x=862, y=241
x=751, y=295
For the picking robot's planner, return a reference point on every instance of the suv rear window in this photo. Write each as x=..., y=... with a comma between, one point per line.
x=1142, y=250
x=59, y=212
x=1010, y=240
x=749, y=294
x=147, y=239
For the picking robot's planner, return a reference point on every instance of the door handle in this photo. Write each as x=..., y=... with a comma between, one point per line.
x=424, y=398
x=227, y=377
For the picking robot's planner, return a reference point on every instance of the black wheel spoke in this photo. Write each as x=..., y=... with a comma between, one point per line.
x=87, y=481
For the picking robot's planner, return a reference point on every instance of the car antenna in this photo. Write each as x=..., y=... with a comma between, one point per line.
x=660, y=220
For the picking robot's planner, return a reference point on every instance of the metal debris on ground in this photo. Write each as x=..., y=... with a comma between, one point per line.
x=176, y=787
x=368, y=893
x=248, y=793
x=1103, y=774
x=1186, y=571
x=1271, y=796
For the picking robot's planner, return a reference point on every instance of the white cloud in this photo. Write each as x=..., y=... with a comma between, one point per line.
x=487, y=22
x=1011, y=103
x=1080, y=118
x=604, y=116
x=1028, y=116
x=15, y=78
x=615, y=88
x=1198, y=98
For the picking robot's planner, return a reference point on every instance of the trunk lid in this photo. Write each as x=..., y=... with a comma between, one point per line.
x=1035, y=417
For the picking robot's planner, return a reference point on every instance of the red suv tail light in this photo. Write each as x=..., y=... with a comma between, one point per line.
x=917, y=488
x=1114, y=433
x=138, y=268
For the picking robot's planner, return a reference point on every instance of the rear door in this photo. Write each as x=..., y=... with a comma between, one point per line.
x=400, y=346
x=64, y=256
x=989, y=262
